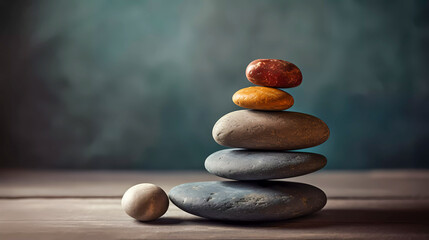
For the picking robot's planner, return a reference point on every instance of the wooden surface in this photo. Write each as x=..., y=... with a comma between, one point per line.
x=86, y=205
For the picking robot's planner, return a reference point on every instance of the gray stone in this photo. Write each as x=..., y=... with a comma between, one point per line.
x=248, y=200
x=241, y=164
x=270, y=130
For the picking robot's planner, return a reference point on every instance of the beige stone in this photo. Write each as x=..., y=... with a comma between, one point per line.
x=270, y=130
x=145, y=202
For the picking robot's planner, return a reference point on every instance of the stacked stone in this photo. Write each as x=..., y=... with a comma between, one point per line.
x=262, y=138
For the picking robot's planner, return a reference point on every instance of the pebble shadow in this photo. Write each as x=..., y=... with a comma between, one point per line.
x=325, y=218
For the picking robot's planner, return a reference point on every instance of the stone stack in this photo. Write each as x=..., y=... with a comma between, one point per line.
x=261, y=139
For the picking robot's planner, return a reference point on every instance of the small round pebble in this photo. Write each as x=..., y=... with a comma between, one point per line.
x=145, y=202
x=263, y=98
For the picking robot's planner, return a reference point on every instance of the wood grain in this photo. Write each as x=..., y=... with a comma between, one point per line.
x=103, y=218
x=86, y=205
x=342, y=184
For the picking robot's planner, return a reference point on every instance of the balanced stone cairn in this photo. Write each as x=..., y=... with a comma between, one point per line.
x=261, y=139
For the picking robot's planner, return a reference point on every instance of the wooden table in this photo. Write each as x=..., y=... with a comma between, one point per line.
x=86, y=205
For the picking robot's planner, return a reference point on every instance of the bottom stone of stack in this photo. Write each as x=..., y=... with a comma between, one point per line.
x=248, y=201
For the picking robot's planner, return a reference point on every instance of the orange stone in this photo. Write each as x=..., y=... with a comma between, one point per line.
x=263, y=98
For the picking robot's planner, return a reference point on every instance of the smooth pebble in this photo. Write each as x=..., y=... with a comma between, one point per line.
x=273, y=73
x=145, y=202
x=263, y=98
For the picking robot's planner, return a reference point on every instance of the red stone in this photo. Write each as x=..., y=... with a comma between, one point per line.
x=273, y=73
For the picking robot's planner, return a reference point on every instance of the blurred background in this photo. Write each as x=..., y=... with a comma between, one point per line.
x=140, y=84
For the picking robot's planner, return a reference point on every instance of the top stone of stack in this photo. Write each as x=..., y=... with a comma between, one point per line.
x=273, y=73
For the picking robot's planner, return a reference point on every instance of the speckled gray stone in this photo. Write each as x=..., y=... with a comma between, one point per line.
x=264, y=130
x=241, y=164
x=248, y=201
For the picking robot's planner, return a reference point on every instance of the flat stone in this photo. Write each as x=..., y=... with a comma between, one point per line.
x=241, y=164
x=263, y=98
x=248, y=201
x=269, y=130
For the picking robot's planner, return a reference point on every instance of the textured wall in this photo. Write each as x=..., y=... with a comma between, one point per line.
x=139, y=84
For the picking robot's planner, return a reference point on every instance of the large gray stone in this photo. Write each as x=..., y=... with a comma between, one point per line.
x=269, y=130
x=241, y=164
x=248, y=201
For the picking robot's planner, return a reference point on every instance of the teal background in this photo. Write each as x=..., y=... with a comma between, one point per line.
x=140, y=84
